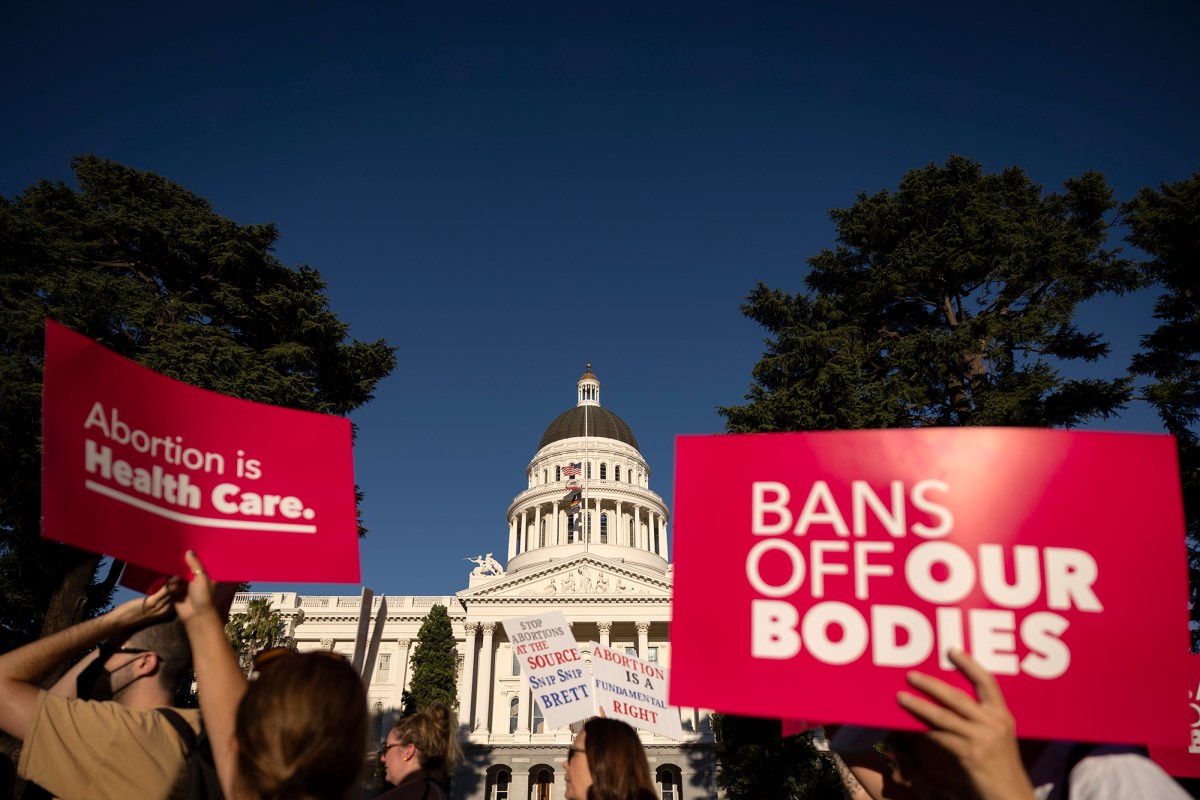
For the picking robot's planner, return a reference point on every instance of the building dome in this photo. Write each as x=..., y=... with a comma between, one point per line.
x=587, y=418
x=599, y=422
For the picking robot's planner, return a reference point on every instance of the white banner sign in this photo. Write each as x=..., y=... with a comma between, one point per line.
x=550, y=661
x=634, y=691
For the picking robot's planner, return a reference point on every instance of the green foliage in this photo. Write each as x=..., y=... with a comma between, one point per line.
x=757, y=761
x=947, y=302
x=148, y=269
x=433, y=662
x=1166, y=225
x=260, y=628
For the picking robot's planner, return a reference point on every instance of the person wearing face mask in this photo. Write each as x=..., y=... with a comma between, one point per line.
x=98, y=732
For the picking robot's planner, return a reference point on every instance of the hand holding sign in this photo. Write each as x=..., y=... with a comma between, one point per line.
x=971, y=747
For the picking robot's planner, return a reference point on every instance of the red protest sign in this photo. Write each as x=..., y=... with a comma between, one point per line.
x=1182, y=757
x=833, y=563
x=142, y=467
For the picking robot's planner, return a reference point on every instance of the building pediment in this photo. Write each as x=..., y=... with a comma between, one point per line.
x=584, y=577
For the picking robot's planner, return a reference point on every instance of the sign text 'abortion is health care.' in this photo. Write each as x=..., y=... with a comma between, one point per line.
x=142, y=467
x=634, y=691
x=832, y=563
x=558, y=677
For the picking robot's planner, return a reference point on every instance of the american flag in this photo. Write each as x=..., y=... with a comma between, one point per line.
x=571, y=470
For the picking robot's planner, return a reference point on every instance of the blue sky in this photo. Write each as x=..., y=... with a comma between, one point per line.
x=506, y=191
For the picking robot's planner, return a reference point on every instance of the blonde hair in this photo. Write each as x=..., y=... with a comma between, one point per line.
x=302, y=729
x=432, y=731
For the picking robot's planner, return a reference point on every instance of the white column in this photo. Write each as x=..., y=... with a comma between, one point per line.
x=483, y=709
x=663, y=523
x=557, y=522
x=464, y=688
x=402, y=651
x=523, y=708
x=536, y=539
x=512, y=537
x=617, y=532
x=605, y=629
x=643, y=631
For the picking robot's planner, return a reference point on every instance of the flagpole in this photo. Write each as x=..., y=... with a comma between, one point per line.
x=587, y=472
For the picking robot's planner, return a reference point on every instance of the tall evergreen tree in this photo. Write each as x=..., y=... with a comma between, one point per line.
x=950, y=301
x=1165, y=224
x=148, y=269
x=434, y=663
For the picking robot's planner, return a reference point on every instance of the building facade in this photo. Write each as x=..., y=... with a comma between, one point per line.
x=588, y=537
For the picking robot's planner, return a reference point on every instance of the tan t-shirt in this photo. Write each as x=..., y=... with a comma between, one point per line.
x=92, y=750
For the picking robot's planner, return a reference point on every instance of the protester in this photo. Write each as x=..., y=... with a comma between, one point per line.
x=419, y=750
x=97, y=732
x=607, y=762
x=971, y=752
x=298, y=731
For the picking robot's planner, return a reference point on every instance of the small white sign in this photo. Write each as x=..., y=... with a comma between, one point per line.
x=634, y=691
x=558, y=677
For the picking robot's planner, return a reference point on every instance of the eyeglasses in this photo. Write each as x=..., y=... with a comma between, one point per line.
x=385, y=746
x=107, y=649
x=571, y=751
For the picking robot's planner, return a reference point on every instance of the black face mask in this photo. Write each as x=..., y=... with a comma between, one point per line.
x=95, y=682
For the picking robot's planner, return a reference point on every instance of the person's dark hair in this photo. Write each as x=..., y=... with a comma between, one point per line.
x=617, y=761
x=433, y=732
x=169, y=640
x=302, y=728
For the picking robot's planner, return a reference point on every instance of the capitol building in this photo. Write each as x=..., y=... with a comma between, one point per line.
x=598, y=553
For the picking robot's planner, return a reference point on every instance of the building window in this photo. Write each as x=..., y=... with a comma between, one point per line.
x=542, y=535
x=512, y=716
x=516, y=666
x=545, y=476
x=558, y=473
x=617, y=472
x=631, y=651
x=381, y=721
x=652, y=655
x=668, y=784
x=632, y=535
x=384, y=668
x=502, y=781
x=656, y=541
x=539, y=721
x=603, y=471
x=604, y=529
x=589, y=470
x=545, y=782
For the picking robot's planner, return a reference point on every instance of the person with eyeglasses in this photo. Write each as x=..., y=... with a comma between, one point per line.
x=419, y=754
x=99, y=732
x=606, y=761
x=297, y=731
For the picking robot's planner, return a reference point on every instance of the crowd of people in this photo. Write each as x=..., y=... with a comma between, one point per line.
x=297, y=727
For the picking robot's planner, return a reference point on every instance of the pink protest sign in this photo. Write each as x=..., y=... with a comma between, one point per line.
x=140, y=466
x=1182, y=757
x=830, y=564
